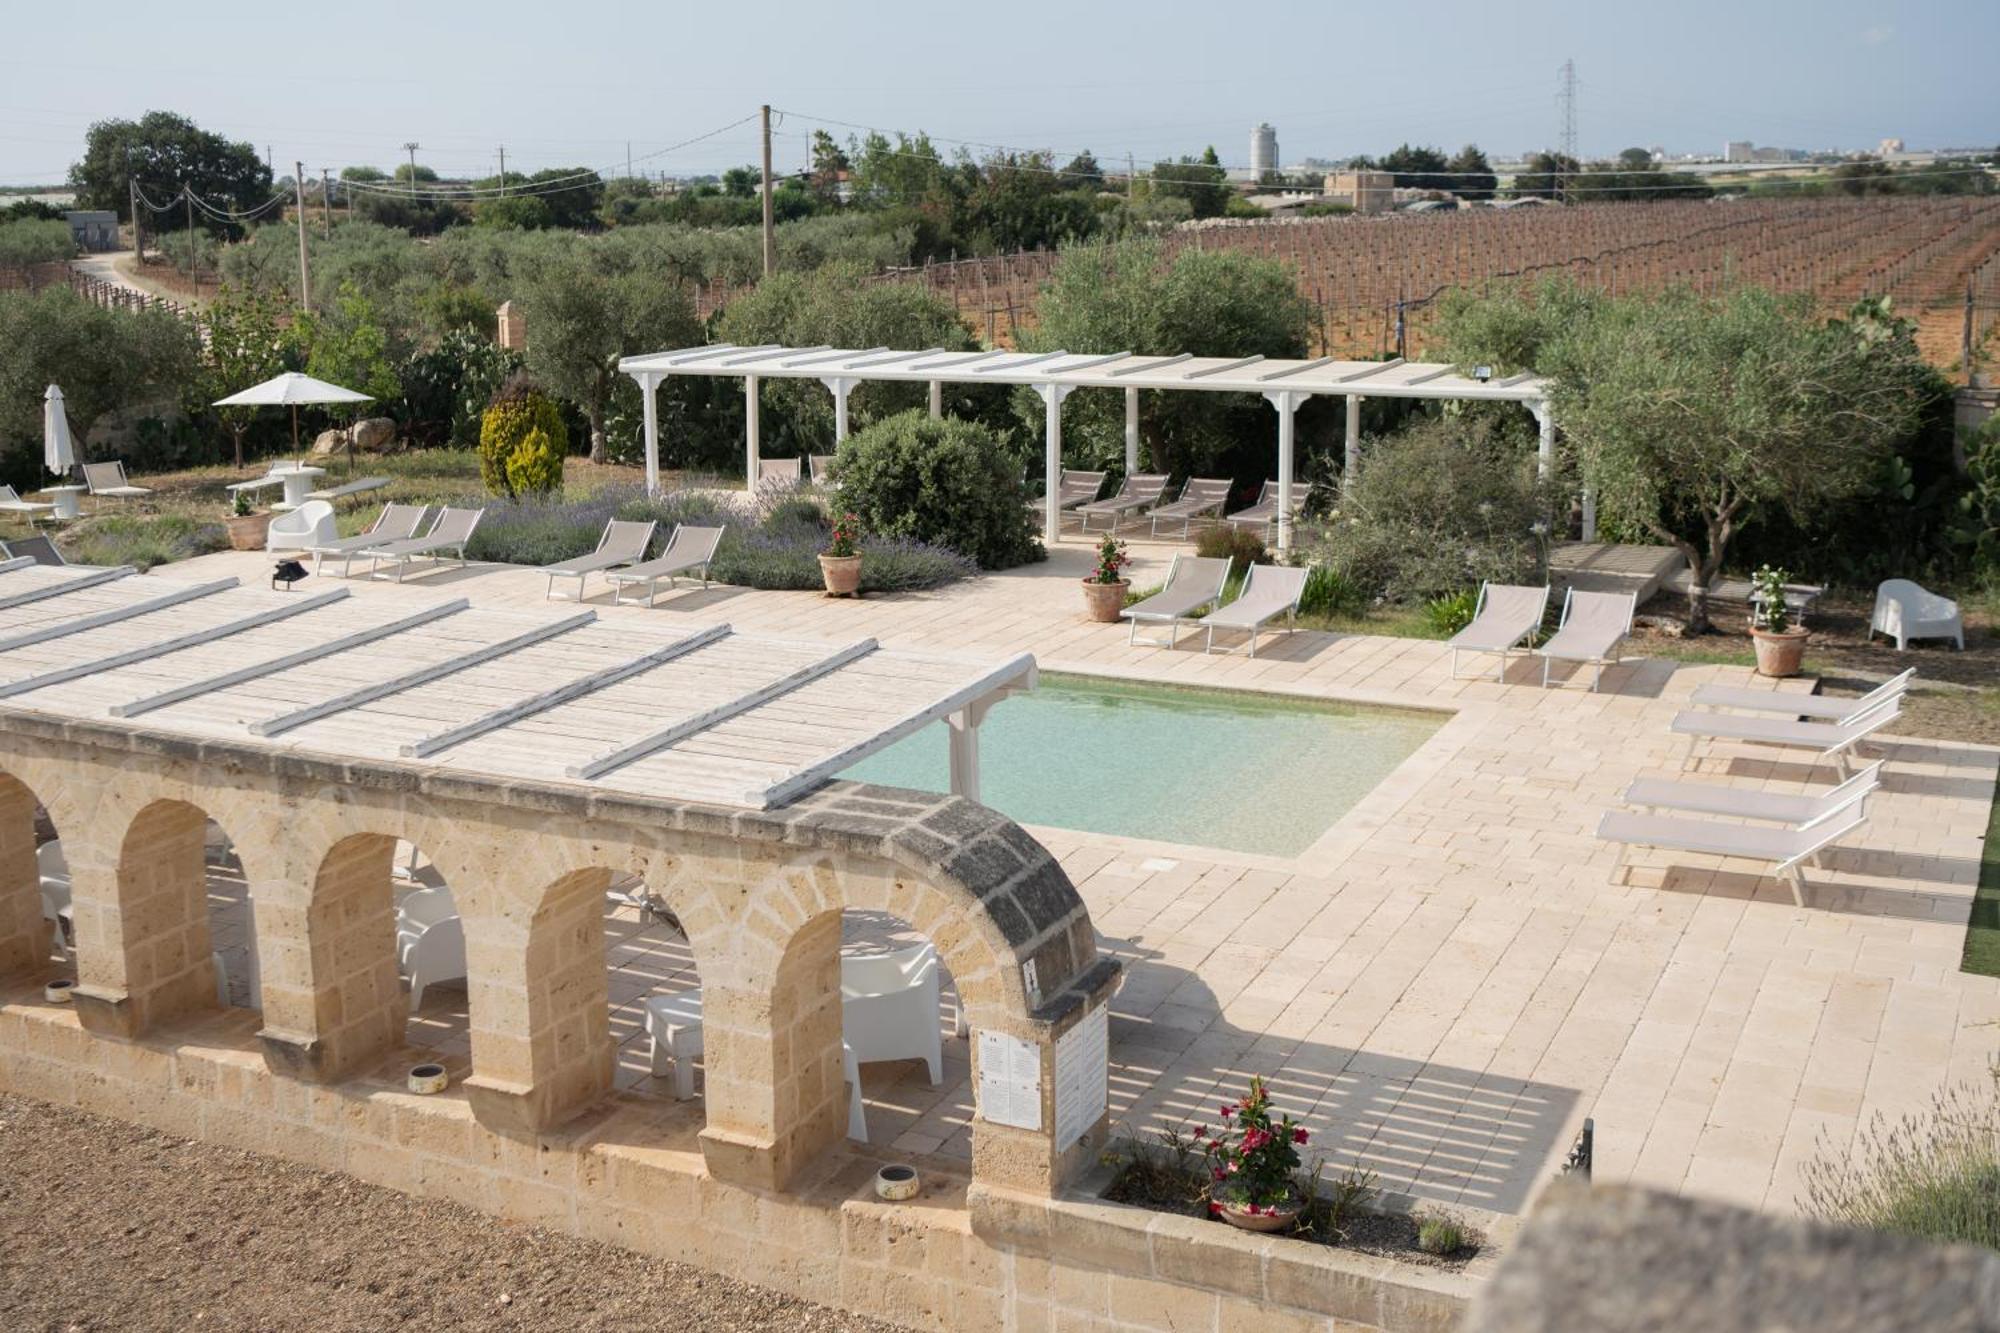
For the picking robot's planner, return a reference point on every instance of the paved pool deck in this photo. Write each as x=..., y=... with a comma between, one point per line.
x=1457, y=973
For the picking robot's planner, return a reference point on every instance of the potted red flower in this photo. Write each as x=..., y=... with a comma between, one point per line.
x=1104, y=590
x=1253, y=1161
x=840, y=563
x=1781, y=645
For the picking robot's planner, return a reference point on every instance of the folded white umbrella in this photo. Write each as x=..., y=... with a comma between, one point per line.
x=293, y=390
x=58, y=451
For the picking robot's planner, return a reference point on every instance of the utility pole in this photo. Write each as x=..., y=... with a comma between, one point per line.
x=187, y=211
x=132, y=189
x=1131, y=180
x=770, y=237
x=503, y=169
x=1566, y=99
x=326, y=197
x=628, y=159
x=411, y=149
x=305, y=274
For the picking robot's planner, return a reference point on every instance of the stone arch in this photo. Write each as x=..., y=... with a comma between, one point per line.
x=162, y=913
x=25, y=935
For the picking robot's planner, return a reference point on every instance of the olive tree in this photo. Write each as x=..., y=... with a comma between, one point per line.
x=105, y=360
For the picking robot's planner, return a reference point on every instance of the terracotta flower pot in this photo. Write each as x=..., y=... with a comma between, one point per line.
x=1279, y=1217
x=842, y=574
x=1781, y=653
x=249, y=532
x=1103, y=601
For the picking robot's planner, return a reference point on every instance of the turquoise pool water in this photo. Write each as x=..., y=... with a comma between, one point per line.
x=1214, y=768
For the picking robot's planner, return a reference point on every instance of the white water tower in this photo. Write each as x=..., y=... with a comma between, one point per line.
x=1263, y=151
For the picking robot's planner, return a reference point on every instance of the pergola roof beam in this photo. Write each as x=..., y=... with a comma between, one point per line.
x=841, y=358
x=185, y=593
x=779, y=354
x=890, y=360
x=955, y=362
x=1160, y=364
x=1299, y=369
x=88, y=579
x=1222, y=369
x=1021, y=362
x=1375, y=369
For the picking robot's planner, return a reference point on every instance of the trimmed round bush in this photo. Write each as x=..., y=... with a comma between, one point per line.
x=536, y=466
x=944, y=483
x=519, y=412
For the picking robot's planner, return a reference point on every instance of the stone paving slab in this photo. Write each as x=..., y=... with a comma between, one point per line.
x=1449, y=980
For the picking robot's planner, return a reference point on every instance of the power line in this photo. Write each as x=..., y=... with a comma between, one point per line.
x=550, y=186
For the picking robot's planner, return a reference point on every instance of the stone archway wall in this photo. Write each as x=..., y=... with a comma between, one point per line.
x=758, y=891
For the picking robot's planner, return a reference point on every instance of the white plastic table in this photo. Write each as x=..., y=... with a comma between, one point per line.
x=298, y=479
x=68, y=500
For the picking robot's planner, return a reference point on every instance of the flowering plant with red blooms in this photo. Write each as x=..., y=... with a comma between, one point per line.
x=1111, y=561
x=1251, y=1157
x=846, y=538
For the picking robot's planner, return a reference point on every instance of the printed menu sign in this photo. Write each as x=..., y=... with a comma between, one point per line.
x=1082, y=1076
x=1010, y=1081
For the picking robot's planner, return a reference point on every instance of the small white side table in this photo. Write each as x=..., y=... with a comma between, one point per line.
x=68, y=501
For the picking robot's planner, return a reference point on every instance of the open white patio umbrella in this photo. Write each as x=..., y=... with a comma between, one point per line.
x=58, y=451
x=292, y=390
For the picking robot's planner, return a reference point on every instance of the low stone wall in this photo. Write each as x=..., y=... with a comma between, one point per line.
x=631, y=1172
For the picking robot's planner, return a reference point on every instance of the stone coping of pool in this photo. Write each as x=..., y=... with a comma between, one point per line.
x=957, y=1256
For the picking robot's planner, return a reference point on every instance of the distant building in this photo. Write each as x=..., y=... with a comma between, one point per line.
x=1263, y=151
x=93, y=230
x=1890, y=147
x=1738, y=151
x=1363, y=191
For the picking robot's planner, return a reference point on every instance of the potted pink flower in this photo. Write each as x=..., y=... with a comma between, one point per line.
x=1253, y=1162
x=840, y=563
x=1104, y=590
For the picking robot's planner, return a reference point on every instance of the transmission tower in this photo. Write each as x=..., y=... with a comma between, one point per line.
x=1566, y=100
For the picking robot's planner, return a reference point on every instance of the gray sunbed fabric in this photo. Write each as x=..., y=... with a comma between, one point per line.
x=689, y=548
x=1787, y=848
x=1192, y=583
x=1137, y=493
x=1801, y=810
x=1269, y=591
x=1508, y=614
x=624, y=542
x=1593, y=625
x=396, y=522
x=1201, y=495
x=454, y=527
x=1818, y=706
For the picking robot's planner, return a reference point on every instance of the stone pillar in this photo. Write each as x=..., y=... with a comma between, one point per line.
x=541, y=1040
x=335, y=1005
x=512, y=333
x=1041, y=1160
x=143, y=951
x=24, y=936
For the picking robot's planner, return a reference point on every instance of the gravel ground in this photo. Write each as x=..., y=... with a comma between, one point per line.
x=109, y=1226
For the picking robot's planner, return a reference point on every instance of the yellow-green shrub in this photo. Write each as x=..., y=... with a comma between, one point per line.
x=518, y=413
x=536, y=466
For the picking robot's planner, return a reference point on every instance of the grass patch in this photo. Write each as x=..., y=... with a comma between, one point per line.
x=142, y=540
x=1982, y=931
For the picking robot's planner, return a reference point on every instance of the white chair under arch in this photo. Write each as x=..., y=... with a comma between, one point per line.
x=436, y=953
x=308, y=526
x=418, y=912
x=53, y=868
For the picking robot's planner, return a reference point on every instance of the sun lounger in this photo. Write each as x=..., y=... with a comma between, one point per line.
x=1593, y=625
x=109, y=479
x=623, y=543
x=689, y=548
x=1709, y=798
x=1830, y=740
x=1137, y=494
x=355, y=487
x=396, y=522
x=1201, y=495
x=1264, y=513
x=1817, y=707
x=37, y=548
x=1786, y=848
x=1268, y=592
x=778, y=475
x=1505, y=615
x=821, y=466
x=12, y=503
x=451, y=532
x=1192, y=583
x=1074, y=488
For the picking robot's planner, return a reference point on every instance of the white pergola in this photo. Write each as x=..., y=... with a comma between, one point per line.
x=1285, y=384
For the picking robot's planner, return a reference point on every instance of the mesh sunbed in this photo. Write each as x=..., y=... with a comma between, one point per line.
x=1831, y=740
x=623, y=543
x=1074, y=487
x=1268, y=592
x=1264, y=513
x=37, y=548
x=776, y=475
x=1192, y=583
x=1593, y=625
x=12, y=503
x=1815, y=706
x=396, y=522
x=688, y=549
x=109, y=479
x=1785, y=847
x=1138, y=493
x=1709, y=798
x=822, y=471
x=451, y=532
x=1505, y=616
x=1201, y=495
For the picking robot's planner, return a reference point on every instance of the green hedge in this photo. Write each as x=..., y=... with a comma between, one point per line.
x=944, y=482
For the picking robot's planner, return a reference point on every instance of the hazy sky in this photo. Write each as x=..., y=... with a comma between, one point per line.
x=571, y=84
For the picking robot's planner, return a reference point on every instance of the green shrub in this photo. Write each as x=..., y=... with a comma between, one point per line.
x=31, y=241
x=1244, y=546
x=945, y=483
x=1451, y=501
x=142, y=541
x=1451, y=613
x=518, y=411
x=1441, y=1235
x=536, y=465
x=1934, y=1174
x=1328, y=592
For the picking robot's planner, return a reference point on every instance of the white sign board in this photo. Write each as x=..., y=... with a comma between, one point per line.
x=1010, y=1081
x=1082, y=1076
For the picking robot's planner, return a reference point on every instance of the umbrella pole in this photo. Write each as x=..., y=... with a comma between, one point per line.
x=295, y=434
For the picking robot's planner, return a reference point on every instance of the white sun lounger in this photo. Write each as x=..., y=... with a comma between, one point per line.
x=775, y=476
x=1801, y=811
x=396, y=522
x=451, y=532
x=1505, y=615
x=1264, y=512
x=1815, y=706
x=1137, y=494
x=1593, y=625
x=1268, y=592
x=110, y=479
x=821, y=467
x=12, y=503
x=1201, y=495
x=1830, y=740
x=623, y=543
x=1074, y=487
x=1192, y=582
x=689, y=548
x=1786, y=848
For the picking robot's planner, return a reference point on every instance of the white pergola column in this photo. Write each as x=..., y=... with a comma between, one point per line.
x=963, y=729
x=752, y=432
x=1545, y=452
x=1052, y=399
x=1350, y=466
x=1589, y=514
x=649, y=389
x=1131, y=431
x=841, y=387
x=1287, y=402
x=937, y=400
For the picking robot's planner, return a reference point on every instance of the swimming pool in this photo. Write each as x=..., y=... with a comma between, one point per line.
x=1213, y=768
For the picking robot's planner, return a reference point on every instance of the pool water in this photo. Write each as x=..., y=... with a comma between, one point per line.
x=1212, y=768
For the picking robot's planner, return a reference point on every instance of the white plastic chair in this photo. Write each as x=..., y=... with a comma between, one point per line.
x=252, y=965
x=418, y=912
x=673, y=1023
x=53, y=868
x=437, y=953
x=310, y=525
x=889, y=1007
x=1906, y=610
